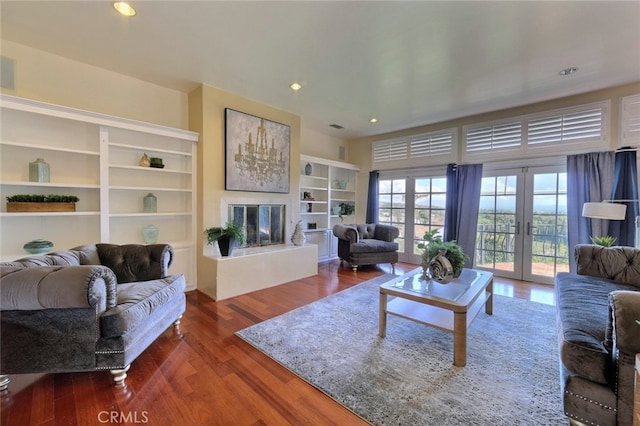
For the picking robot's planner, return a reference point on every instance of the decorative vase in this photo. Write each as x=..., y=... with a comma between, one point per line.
x=226, y=245
x=439, y=268
x=38, y=246
x=298, y=237
x=308, y=169
x=150, y=203
x=39, y=171
x=337, y=210
x=150, y=234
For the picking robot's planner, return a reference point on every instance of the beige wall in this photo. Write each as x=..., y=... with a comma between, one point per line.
x=50, y=78
x=323, y=146
x=206, y=111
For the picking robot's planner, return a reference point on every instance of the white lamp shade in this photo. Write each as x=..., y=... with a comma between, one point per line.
x=611, y=211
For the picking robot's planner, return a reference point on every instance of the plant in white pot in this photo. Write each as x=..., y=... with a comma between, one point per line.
x=227, y=236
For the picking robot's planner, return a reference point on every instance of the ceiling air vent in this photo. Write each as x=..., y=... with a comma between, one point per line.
x=336, y=126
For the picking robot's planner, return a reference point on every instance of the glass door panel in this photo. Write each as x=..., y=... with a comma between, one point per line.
x=498, y=224
x=546, y=233
x=522, y=224
x=391, y=206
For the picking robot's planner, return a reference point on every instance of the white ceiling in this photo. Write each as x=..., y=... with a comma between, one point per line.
x=406, y=63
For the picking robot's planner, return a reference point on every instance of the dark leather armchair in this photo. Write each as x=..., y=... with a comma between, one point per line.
x=367, y=244
x=94, y=307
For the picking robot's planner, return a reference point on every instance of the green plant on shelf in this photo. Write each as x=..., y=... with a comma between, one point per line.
x=38, y=198
x=346, y=209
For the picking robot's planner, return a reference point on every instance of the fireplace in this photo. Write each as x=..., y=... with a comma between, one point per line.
x=264, y=224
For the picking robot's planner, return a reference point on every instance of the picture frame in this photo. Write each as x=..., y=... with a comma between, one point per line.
x=257, y=153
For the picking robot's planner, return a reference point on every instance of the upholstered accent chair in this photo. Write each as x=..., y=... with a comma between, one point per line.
x=367, y=244
x=94, y=307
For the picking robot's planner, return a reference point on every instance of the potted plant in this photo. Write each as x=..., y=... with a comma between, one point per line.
x=41, y=203
x=454, y=253
x=604, y=241
x=227, y=236
x=346, y=209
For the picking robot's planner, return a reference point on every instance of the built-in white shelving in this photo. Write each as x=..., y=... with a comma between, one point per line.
x=326, y=183
x=97, y=158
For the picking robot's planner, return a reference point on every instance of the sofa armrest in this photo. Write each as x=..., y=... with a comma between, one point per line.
x=346, y=232
x=136, y=262
x=54, y=287
x=624, y=309
x=386, y=233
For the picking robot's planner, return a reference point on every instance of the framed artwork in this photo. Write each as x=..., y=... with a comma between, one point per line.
x=257, y=153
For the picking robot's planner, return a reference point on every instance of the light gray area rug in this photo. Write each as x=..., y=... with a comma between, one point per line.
x=407, y=378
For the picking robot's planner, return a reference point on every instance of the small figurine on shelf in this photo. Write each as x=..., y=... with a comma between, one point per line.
x=145, y=161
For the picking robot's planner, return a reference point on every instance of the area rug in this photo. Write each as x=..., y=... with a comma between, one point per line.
x=407, y=378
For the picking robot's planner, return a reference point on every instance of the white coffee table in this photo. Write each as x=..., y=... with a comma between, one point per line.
x=450, y=307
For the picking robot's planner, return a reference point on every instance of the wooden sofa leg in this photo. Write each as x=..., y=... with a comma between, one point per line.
x=120, y=374
x=176, y=323
x=4, y=382
x=393, y=268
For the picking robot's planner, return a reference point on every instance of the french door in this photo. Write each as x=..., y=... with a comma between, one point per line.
x=522, y=224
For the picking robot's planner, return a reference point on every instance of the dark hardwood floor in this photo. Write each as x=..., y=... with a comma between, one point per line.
x=202, y=374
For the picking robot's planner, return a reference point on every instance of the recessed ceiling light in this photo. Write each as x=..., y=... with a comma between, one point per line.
x=373, y=120
x=124, y=8
x=568, y=71
x=295, y=86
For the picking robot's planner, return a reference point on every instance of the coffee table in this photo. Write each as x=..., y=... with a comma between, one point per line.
x=450, y=307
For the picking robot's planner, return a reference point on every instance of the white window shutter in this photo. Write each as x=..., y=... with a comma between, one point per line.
x=630, y=121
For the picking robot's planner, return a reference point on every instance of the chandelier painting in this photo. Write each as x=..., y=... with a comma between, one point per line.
x=257, y=154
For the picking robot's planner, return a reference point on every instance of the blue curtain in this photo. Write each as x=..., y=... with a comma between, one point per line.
x=625, y=187
x=589, y=178
x=462, y=206
x=372, y=197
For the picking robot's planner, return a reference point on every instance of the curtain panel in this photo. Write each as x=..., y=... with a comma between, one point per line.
x=625, y=187
x=462, y=206
x=589, y=179
x=372, y=197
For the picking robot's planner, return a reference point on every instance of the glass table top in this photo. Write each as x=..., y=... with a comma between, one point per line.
x=452, y=291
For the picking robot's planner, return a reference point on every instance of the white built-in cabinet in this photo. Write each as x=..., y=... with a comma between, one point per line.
x=326, y=183
x=97, y=158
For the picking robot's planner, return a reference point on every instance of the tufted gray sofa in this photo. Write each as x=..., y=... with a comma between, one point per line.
x=367, y=244
x=598, y=336
x=94, y=307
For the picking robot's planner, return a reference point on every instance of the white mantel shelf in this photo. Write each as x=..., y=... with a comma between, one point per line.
x=253, y=269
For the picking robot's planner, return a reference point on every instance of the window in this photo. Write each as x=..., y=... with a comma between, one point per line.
x=391, y=205
x=415, y=205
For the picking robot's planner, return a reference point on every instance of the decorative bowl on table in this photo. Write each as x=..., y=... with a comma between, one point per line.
x=38, y=246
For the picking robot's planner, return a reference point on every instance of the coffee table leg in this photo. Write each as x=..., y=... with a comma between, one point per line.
x=460, y=339
x=382, y=325
x=488, y=306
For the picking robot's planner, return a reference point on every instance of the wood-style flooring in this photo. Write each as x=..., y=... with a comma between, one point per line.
x=202, y=374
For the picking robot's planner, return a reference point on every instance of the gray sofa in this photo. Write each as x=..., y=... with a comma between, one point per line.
x=598, y=336
x=94, y=307
x=367, y=244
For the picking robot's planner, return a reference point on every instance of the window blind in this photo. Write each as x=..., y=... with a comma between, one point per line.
x=630, y=121
x=417, y=146
x=492, y=137
x=581, y=126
